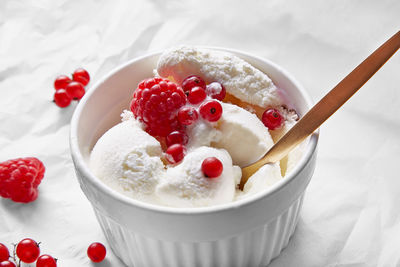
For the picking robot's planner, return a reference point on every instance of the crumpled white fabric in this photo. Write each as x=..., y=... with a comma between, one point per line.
x=351, y=214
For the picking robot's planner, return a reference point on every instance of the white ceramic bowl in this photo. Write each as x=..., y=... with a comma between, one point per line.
x=249, y=232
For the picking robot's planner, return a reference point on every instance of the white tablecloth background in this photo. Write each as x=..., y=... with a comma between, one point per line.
x=351, y=214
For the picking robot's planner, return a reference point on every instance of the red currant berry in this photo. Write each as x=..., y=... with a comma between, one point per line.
x=28, y=250
x=211, y=110
x=187, y=115
x=177, y=137
x=82, y=76
x=96, y=252
x=46, y=261
x=4, y=253
x=62, y=98
x=75, y=90
x=272, y=119
x=193, y=81
x=212, y=167
x=175, y=153
x=7, y=264
x=196, y=95
x=216, y=90
x=61, y=82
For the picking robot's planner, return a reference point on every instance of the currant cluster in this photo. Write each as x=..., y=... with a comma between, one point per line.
x=68, y=90
x=27, y=251
x=167, y=109
x=198, y=105
x=211, y=110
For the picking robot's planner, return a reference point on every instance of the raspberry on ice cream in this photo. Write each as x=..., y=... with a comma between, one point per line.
x=20, y=178
x=156, y=102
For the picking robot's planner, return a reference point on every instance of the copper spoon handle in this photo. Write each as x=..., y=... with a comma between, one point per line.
x=326, y=106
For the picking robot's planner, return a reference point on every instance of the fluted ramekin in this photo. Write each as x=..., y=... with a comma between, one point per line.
x=248, y=232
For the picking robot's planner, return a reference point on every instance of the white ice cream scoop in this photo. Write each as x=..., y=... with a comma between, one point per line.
x=185, y=185
x=239, y=78
x=243, y=135
x=128, y=159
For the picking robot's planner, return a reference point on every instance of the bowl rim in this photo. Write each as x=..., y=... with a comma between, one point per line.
x=85, y=171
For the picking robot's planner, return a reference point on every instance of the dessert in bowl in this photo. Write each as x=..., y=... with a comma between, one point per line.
x=161, y=217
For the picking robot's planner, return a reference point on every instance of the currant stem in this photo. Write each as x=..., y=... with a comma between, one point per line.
x=14, y=253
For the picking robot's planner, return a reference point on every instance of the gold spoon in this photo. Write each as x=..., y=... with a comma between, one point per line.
x=326, y=106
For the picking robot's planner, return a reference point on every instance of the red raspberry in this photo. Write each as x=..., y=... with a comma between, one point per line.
x=19, y=179
x=156, y=102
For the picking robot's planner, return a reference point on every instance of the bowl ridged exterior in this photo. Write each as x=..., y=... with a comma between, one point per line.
x=256, y=247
